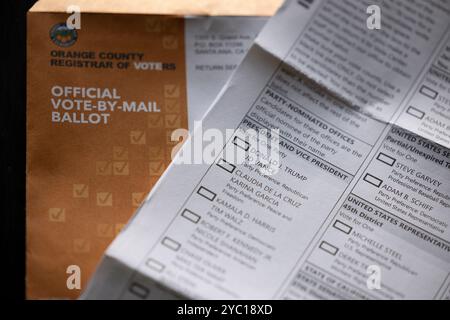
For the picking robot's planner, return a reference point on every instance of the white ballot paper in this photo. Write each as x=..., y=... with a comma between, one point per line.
x=353, y=201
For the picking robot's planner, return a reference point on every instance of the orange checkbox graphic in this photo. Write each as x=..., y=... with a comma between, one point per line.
x=104, y=199
x=119, y=227
x=120, y=153
x=105, y=230
x=173, y=120
x=156, y=168
x=171, y=26
x=171, y=138
x=155, y=121
x=171, y=91
x=137, y=137
x=156, y=152
x=80, y=190
x=153, y=24
x=172, y=105
x=57, y=214
x=81, y=245
x=121, y=168
x=136, y=198
x=170, y=42
x=103, y=168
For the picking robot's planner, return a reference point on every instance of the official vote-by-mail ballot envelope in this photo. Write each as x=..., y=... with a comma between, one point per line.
x=108, y=82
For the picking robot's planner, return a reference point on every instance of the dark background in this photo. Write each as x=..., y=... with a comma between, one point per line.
x=13, y=147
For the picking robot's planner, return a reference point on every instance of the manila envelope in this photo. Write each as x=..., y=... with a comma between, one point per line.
x=102, y=101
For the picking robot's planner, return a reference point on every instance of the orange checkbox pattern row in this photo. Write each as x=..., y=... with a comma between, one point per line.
x=139, y=137
x=170, y=28
x=173, y=120
x=102, y=199
x=158, y=24
x=103, y=230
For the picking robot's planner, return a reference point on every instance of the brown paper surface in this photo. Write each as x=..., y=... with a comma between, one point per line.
x=85, y=180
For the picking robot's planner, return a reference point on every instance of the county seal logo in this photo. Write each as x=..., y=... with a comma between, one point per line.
x=62, y=35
